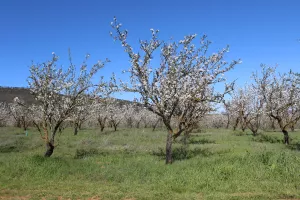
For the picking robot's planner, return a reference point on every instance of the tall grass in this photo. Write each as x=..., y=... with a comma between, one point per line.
x=129, y=164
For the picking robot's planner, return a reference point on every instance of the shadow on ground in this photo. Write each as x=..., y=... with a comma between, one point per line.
x=183, y=153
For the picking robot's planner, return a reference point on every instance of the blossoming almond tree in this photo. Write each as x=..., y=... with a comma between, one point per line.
x=281, y=93
x=115, y=113
x=153, y=120
x=248, y=105
x=254, y=110
x=20, y=113
x=81, y=113
x=58, y=93
x=185, y=74
x=227, y=112
x=130, y=112
x=99, y=113
x=135, y=114
x=4, y=113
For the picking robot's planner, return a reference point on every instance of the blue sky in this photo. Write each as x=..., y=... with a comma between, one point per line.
x=257, y=31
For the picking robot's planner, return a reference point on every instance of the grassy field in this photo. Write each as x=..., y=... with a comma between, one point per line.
x=129, y=164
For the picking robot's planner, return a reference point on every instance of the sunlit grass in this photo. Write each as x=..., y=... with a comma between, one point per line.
x=129, y=164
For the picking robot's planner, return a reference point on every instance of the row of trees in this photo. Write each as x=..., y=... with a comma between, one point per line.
x=114, y=113
x=97, y=113
x=179, y=92
x=272, y=95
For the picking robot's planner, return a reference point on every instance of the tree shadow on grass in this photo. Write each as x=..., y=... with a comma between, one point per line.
x=9, y=148
x=183, y=153
x=201, y=141
x=83, y=153
x=294, y=146
x=13, y=146
x=267, y=138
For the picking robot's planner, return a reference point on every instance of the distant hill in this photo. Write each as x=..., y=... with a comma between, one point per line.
x=7, y=94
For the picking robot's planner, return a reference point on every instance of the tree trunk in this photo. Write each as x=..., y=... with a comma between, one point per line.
x=137, y=125
x=153, y=128
x=228, y=122
x=254, y=132
x=49, y=149
x=76, y=129
x=169, y=148
x=236, y=123
x=286, y=137
x=115, y=127
x=18, y=123
x=102, y=128
x=155, y=125
x=50, y=143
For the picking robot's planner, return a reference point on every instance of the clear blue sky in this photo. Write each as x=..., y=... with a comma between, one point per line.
x=257, y=31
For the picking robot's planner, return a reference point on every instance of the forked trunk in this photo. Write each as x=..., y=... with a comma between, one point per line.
x=253, y=128
x=286, y=137
x=101, y=122
x=50, y=141
x=236, y=123
x=169, y=148
x=49, y=149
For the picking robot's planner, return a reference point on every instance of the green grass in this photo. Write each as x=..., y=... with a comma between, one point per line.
x=129, y=164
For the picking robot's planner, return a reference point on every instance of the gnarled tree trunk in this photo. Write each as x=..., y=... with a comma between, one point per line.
x=49, y=148
x=50, y=143
x=286, y=138
x=169, y=142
